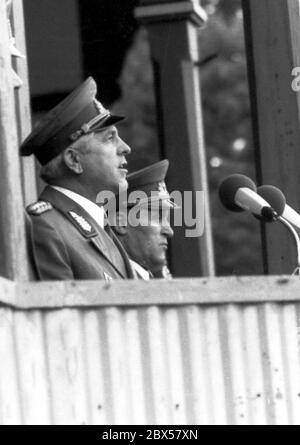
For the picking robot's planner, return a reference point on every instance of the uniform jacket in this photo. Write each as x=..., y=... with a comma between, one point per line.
x=32, y=262
x=68, y=243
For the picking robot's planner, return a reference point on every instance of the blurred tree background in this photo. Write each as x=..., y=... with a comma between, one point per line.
x=227, y=125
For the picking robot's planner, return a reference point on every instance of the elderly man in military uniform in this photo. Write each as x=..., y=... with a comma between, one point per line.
x=81, y=153
x=146, y=238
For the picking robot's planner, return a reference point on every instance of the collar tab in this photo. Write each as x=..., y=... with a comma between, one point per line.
x=84, y=227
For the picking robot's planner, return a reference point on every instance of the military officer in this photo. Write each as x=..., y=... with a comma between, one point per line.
x=142, y=222
x=81, y=153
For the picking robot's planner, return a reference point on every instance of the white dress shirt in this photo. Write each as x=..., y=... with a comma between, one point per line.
x=143, y=273
x=96, y=212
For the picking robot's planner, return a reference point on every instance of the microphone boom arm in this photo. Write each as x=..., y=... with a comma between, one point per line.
x=296, y=238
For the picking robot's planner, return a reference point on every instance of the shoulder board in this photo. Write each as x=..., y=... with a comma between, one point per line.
x=39, y=207
x=82, y=224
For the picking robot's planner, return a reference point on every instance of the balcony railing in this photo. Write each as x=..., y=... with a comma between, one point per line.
x=216, y=351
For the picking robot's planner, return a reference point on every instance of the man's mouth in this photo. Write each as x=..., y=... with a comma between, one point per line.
x=122, y=167
x=164, y=245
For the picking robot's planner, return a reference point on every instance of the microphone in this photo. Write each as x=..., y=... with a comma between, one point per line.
x=287, y=216
x=230, y=187
x=238, y=193
x=276, y=199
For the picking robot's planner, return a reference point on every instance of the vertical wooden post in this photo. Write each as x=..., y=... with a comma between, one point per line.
x=272, y=31
x=23, y=104
x=173, y=34
x=13, y=257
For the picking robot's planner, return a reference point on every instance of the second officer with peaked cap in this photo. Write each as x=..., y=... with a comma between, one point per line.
x=81, y=154
x=142, y=220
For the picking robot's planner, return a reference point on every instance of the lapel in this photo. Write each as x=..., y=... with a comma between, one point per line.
x=84, y=223
x=130, y=270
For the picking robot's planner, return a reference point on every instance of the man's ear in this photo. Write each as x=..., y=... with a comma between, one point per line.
x=72, y=160
x=121, y=223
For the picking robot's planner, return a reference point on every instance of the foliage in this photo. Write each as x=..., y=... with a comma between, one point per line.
x=138, y=104
x=228, y=132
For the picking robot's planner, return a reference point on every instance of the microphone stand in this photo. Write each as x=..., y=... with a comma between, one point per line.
x=296, y=238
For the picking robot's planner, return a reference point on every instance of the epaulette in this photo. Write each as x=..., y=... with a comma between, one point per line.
x=39, y=207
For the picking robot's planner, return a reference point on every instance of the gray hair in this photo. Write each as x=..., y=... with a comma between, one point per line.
x=56, y=168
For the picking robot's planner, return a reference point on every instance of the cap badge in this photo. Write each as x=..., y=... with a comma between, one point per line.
x=39, y=207
x=82, y=222
x=161, y=187
x=100, y=107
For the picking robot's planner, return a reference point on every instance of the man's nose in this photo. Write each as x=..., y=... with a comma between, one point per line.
x=167, y=230
x=123, y=147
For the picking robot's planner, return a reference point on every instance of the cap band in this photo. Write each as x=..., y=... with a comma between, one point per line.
x=88, y=127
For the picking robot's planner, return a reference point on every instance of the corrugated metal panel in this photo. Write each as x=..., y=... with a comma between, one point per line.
x=176, y=364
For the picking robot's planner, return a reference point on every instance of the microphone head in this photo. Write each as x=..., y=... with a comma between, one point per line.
x=229, y=188
x=274, y=197
x=268, y=214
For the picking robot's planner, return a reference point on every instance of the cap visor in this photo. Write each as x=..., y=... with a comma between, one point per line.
x=26, y=148
x=111, y=120
x=156, y=202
